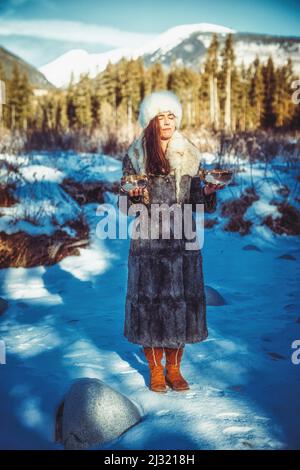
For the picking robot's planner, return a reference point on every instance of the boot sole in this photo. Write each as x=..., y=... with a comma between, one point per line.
x=158, y=391
x=176, y=389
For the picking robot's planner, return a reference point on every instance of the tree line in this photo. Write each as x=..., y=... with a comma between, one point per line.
x=220, y=96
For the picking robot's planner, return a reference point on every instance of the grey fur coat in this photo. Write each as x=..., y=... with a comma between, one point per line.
x=165, y=300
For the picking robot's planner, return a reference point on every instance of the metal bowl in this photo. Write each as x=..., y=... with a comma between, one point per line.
x=131, y=182
x=216, y=176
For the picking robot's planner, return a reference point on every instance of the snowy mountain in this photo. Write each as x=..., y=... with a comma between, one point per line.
x=173, y=37
x=191, y=51
x=78, y=61
x=184, y=44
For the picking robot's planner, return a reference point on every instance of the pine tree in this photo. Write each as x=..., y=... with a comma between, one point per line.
x=256, y=94
x=228, y=58
x=136, y=87
x=19, y=99
x=108, y=110
x=269, y=101
x=211, y=81
x=240, y=92
x=82, y=102
x=157, y=77
x=283, y=106
x=70, y=103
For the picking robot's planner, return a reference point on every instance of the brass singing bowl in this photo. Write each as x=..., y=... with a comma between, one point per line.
x=220, y=177
x=131, y=182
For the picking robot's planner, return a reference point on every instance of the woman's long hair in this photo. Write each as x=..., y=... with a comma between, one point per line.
x=156, y=162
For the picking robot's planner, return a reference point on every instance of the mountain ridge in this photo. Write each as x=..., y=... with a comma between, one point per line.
x=186, y=44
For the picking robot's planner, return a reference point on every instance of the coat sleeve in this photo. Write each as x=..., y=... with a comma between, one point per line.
x=128, y=169
x=197, y=196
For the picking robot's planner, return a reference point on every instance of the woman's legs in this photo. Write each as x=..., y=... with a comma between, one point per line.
x=173, y=378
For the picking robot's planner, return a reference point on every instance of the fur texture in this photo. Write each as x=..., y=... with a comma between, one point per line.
x=158, y=102
x=165, y=301
x=183, y=155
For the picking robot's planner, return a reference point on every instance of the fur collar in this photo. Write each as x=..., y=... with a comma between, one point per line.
x=183, y=155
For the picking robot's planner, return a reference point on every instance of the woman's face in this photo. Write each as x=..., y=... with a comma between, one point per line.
x=167, y=124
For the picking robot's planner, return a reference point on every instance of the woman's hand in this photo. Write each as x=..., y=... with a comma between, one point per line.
x=136, y=192
x=210, y=188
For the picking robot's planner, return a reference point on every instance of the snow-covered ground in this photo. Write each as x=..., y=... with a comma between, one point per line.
x=66, y=322
x=41, y=198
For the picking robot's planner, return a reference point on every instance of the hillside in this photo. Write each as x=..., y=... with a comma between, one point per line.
x=36, y=78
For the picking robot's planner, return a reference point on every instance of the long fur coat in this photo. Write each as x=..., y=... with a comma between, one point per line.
x=165, y=300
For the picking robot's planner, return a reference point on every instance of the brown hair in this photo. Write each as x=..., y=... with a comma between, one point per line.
x=156, y=162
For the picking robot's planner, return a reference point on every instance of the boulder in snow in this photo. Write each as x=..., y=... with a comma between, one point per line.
x=276, y=356
x=251, y=248
x=92, y=413
x=287, y=256
x=213, y=297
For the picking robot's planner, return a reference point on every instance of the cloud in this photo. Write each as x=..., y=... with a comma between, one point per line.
x=73, y=31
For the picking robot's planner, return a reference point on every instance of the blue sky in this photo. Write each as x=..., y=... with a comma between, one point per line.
x=41, y=30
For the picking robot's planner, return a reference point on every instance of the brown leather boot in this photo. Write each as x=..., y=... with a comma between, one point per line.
x=157, y=377
x=173, y=376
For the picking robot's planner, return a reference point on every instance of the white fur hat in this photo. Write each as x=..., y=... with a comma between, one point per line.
x=159, y=102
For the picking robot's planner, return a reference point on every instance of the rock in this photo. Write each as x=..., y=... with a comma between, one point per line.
x=3, y=305
x=92, y=413
x=276, y=356
x=267, y=339
x=290, y=307
x=213, y=297
x=287, y=256
x=251, y=248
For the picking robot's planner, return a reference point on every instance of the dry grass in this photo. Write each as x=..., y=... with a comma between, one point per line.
x=21, y=249
x=252, y=145
x=7, y=198
x=83, y=192
x=288, y=222
x=235, y=210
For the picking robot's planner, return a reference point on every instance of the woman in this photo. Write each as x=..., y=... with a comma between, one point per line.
x=165, y=302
